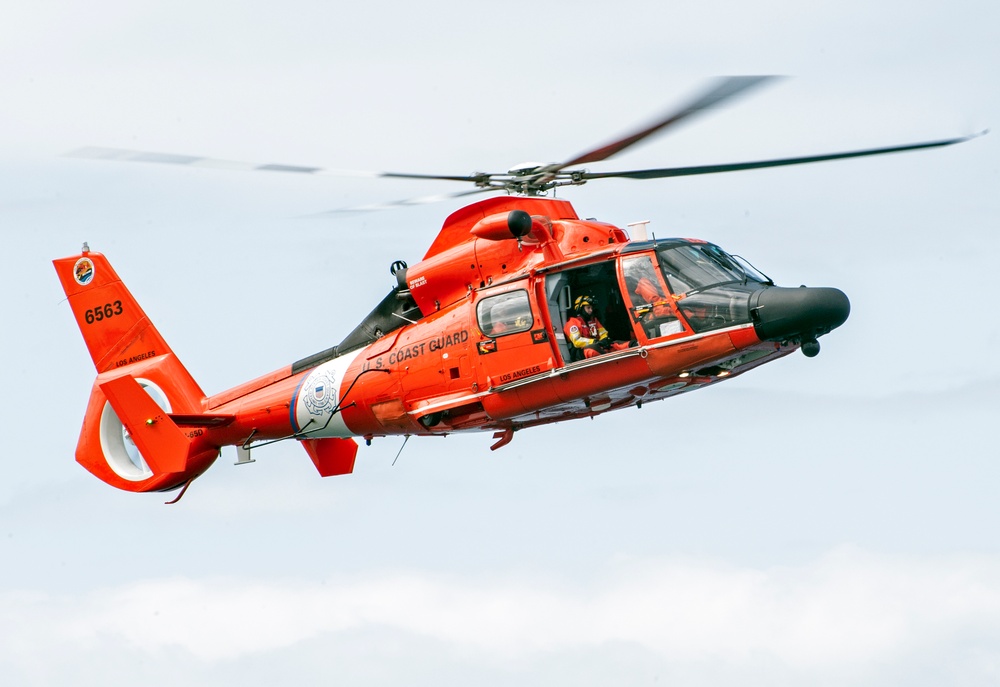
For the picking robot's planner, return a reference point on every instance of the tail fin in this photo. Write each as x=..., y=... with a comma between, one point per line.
x=128, y=439
x=114, y=327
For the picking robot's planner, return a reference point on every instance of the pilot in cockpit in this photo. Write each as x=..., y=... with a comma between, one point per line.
x=652, y=307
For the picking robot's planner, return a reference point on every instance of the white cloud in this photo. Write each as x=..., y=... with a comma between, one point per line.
x=849, y=612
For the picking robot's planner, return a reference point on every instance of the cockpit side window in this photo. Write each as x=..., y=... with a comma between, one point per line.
x=507, y=313
x=652, y=305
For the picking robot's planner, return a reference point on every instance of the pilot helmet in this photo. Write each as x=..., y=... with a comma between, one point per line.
x=582, y=301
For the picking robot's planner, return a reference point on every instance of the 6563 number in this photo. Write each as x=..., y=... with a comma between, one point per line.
x=103, y=312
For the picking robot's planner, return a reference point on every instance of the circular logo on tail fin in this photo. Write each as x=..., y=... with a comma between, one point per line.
x=83, y=271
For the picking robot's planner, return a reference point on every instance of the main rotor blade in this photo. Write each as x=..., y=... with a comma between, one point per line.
x=126, y=155
x=722, y=90
x=783, y=162
x=421, y=200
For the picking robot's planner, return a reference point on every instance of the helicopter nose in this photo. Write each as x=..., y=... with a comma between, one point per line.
x=802, y=314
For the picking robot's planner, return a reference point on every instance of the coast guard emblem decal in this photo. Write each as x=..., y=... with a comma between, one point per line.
x=319, y=394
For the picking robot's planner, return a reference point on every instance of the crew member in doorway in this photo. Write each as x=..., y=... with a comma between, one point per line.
x=585, y=332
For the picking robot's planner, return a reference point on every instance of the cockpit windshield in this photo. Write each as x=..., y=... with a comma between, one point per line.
x=711, y=288
x=698, y=266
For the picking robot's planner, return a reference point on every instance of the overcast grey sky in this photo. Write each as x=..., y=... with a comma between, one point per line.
x=822, y=521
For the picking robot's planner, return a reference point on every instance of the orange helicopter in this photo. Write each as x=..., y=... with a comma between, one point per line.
x=519, y=314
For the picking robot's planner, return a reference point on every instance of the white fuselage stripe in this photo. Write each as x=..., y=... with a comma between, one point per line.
x=317, y=400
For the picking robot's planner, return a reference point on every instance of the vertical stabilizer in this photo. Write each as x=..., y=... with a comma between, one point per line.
x=114, y=327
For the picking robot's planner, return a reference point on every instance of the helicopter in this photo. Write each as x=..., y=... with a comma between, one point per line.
x=482, y=334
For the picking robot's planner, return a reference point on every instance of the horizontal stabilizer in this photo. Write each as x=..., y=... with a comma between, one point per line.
x=332, y=456
x=201, y=420
x=161, y=442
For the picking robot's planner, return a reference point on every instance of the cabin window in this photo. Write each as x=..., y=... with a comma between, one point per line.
x=508, y=313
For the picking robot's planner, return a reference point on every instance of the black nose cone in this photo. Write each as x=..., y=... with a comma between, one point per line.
x=802, y=314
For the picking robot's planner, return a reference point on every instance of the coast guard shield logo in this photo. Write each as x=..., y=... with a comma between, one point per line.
x=319, y=393
x=83, y=271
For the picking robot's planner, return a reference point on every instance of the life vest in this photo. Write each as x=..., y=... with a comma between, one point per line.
x=581, y=334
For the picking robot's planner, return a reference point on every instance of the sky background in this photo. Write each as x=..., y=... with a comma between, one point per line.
x=817, y=521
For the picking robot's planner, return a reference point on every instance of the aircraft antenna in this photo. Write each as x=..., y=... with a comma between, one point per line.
x=400, y=450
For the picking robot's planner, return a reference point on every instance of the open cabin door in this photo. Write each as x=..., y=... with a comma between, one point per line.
x=599, y=281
